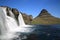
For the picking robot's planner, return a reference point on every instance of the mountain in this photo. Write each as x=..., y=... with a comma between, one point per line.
x=45, y=17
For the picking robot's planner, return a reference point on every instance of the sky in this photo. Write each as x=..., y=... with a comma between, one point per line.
x=34, y=7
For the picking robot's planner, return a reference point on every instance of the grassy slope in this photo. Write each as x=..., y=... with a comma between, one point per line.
x=46, y=20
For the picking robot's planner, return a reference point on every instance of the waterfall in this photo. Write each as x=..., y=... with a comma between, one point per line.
x=9, y=27
x=21, y=21
x=11, y=14
x=3, y=28
x=2, y=21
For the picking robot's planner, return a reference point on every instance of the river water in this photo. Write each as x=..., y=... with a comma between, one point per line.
x=41, y=32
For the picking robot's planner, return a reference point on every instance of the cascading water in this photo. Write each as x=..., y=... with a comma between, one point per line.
x=21, y=21
x=11, y=14
x=9, y=27
x=3, y=28
x=22, y=26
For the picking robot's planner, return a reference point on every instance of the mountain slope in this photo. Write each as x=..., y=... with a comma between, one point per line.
x=45, y=18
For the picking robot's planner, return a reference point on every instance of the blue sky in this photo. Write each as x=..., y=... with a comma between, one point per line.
x=33, y=7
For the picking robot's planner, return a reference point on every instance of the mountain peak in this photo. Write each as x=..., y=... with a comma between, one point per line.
x=44, y=10
x=44, y=13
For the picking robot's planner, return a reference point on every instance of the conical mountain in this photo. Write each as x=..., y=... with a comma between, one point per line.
x=45, y=17
x=44, y=13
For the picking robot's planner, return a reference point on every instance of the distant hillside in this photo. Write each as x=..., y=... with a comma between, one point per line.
x=45, y=18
